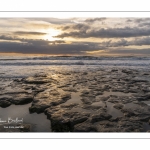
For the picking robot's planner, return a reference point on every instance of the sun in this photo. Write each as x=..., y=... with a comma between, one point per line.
x=51, y=33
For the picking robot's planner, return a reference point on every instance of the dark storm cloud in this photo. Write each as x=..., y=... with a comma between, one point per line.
x=74, y=48
x=47, y=47
x=88, y=46
x=109, y=33
x=29, y=33
x=60, y=47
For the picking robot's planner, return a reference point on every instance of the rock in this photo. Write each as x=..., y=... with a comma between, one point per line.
x=36, y=80
x=86, y=100
x=113, y=100
x=115, y=119
x=114, y=70
x=106, y=87
x=91, y=107
x=66, y=96
x=130, y=126
x=115, y=129
x=50, y=93
x=107, y=126
x=84, y=127
x=6, y=97
x=21, y=99
x=104, y=98
x=143, y=117
x=66, y=124
x=127, y=71
x=69, y=89
x=70, y=106
x=39, y=108
x=100, y=117
x=144, y=97
x=118, y=106
x=133, y=81
x=84, y=92
x=63, y=119
x=128, y=112
x=46, y=99
x=4, y=103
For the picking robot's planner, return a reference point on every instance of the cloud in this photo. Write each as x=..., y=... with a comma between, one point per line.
x=29, y=33
x=80, y=27
x=144, y=24
x=121, y=42
x=139, y=20
x=7, y=37
x=118, y=39
x=46, y=47
x=91, y=20
x=129, y=20
x=38, y=25
x=129, y=51
x=108, y=33
x=124, y=42
x=31, y=46
x=39, y=42
x=140, y=41
x=51, y=20
x=136, y=41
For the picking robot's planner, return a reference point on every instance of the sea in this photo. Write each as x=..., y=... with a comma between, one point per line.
x=24, y=66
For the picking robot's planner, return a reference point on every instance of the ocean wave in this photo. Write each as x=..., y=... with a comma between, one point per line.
x=74, y=58
x=75, y=63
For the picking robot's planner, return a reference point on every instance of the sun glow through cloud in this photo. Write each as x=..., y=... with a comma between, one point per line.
x=50, y=34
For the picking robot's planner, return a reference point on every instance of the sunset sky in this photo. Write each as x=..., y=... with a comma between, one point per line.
x=75, y=36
